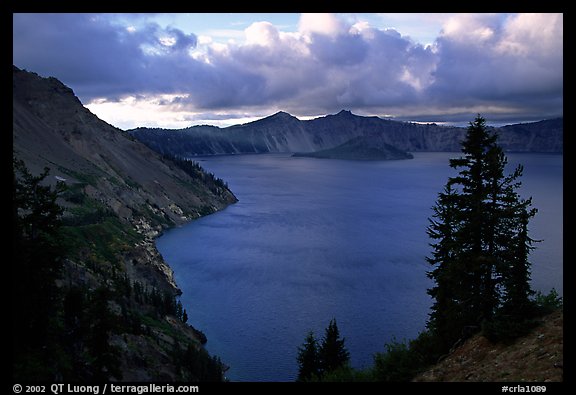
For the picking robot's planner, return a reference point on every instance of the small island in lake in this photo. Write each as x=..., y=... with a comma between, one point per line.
x=360, y=148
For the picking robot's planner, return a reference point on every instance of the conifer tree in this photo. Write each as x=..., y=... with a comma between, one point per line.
x=37, y=261
x=315, y=361
x=332, y=352
x=515, y=270
x=480, y=229
x=448, y=315
x=308, y=359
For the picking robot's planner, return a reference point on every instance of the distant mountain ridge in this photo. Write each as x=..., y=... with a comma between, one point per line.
x=282, y=132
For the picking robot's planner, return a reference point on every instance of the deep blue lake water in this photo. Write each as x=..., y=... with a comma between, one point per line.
x=311, y=240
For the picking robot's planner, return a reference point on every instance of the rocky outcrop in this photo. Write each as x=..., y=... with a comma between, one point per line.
x=282, y=132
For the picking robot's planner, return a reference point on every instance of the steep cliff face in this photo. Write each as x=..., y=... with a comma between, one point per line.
x=542, y=136
x=52, y=128
x=282, y=132
x=120, y=195
x=332, y=129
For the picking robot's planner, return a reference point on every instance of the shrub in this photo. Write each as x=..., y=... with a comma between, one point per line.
x=398, y=364
x=545, y=304
x=504, y=328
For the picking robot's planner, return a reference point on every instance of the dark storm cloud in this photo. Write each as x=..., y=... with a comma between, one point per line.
x=96, y=57
x=80, y=50
x=507, y=65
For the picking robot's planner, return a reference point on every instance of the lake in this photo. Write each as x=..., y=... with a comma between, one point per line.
x=312, y=239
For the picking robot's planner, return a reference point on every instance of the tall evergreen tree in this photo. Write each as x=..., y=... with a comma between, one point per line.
x=515, y=270
x=36, y=265
x=316, y=361
x=480, y=253
x=332, y=353
x=308, y=359
x=448, y=313
x=479, y=172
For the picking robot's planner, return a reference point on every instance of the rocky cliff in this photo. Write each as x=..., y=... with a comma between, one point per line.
x=52, y=129
x=282, y=132
x=542, y=136
x=119, y=196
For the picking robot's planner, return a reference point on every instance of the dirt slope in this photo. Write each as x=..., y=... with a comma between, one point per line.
x=536, y=357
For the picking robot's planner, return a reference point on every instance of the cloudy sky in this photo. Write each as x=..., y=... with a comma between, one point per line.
x=177, y=70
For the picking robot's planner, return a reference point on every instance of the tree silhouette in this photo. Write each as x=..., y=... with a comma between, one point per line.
x=308, y=359
x=332, y=352
x=36, y=265
x=481, y=245
x=316, y=361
